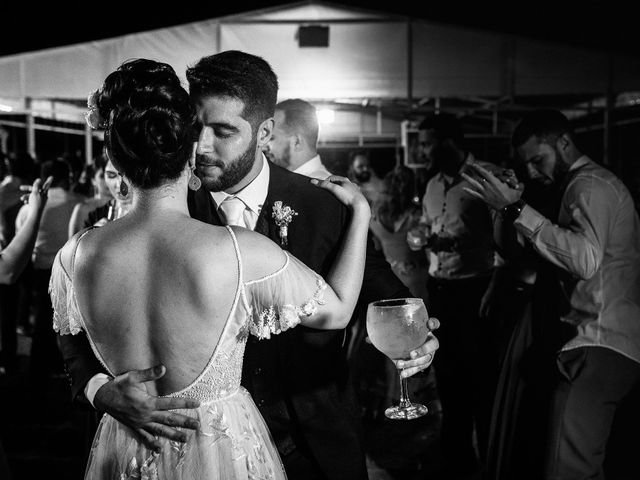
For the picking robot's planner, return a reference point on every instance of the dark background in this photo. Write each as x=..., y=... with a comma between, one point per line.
x=32, y=25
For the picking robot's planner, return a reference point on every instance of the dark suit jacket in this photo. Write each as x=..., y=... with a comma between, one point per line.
x=298, y=379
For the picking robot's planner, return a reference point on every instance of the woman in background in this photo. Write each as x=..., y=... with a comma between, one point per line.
x=393, y=215
x=120, y=203
x=102, y=196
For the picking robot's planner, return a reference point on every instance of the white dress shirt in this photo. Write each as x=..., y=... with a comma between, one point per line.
x=596, y=240
x=453, y=214
x=253, y=195
x=313, y=168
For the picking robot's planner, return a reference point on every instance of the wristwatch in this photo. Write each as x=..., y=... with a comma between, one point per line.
x=512, y=211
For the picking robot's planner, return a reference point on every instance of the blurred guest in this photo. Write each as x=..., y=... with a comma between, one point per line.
x=15, y=257
x=3, y=164
x=84, y=184
x=525, y=303
x=456, y=230
x=19, y=172
x=102, y=196
x=120, y=203
x=361, y=173
x=52, y=235
x=77, y=166
x=294, y=139
x=596, y=246
x=393, y=215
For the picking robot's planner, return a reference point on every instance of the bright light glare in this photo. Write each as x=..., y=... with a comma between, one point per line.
x=5, y=108
x=326, y=116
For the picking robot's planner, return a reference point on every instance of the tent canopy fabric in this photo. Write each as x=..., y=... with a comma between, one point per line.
x=371, y=55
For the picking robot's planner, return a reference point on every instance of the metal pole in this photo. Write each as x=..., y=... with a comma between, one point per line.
x=88, y=145
x=31, y=132
x=510, y=69
x=409, y=64
x=608, y=110
x=4, y=139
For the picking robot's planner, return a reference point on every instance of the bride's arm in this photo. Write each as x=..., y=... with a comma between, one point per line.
x=346, y=273
x=285, y=292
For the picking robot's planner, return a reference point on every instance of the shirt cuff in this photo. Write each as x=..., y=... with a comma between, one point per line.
x=529, y=221
x=94, y=385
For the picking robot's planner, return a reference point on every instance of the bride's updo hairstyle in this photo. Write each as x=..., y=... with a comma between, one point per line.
x=149, y=122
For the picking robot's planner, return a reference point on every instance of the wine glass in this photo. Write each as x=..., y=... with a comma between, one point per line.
x=396, y=327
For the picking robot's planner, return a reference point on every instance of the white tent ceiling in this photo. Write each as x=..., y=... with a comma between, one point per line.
x=377, y=70
x=370, y=55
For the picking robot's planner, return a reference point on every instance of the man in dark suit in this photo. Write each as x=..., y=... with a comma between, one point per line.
x=298, y=379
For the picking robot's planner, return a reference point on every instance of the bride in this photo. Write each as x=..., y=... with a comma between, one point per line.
x=157, y=286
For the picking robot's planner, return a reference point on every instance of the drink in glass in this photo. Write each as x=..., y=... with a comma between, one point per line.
x=396, y=327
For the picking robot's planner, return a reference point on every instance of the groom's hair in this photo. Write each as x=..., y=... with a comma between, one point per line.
x=240, y=75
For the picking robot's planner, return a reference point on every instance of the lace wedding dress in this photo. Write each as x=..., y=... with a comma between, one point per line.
x=233, y=441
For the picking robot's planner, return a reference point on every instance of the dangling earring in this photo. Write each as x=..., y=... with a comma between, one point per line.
x=194, y=181
x=124, y=188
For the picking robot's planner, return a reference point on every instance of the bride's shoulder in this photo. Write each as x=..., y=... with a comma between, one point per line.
x=68, y=252
x=260, y=255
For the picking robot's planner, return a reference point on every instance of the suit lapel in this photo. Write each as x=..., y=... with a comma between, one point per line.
x=265, y=225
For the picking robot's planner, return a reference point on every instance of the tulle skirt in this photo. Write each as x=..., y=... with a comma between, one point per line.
x=233, y=443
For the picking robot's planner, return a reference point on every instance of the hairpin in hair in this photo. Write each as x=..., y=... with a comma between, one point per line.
x=92, y=116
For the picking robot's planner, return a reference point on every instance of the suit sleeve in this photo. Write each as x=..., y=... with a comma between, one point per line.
x=79, y=361
x=379, y=280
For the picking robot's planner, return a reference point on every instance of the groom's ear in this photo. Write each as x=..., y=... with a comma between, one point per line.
x=264, y=132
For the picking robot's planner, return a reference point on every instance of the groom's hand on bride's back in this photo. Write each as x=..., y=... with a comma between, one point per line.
x=127, y=400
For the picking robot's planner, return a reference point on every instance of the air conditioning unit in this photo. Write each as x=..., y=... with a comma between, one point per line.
x=313, y=36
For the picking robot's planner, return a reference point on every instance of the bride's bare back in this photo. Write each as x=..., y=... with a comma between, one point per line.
x=156, y=290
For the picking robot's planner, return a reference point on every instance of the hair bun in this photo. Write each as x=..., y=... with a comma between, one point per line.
x=151, y=122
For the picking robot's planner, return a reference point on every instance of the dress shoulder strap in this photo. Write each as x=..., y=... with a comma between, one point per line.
x=72, y=264
x=236, y=247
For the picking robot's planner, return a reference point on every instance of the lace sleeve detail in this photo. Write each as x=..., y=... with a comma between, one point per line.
x=277, y=302
x=66, y=317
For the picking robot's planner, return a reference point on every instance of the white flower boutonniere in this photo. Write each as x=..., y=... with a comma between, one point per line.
x=283, y=215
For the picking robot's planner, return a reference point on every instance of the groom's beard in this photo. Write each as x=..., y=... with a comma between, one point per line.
x=227, y=175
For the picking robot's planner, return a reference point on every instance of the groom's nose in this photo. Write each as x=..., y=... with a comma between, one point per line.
x=205, y=141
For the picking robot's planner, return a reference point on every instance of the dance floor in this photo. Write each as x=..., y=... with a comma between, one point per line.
x=48, y=441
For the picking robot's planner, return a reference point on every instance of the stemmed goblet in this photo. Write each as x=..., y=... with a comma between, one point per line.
x=396, y=327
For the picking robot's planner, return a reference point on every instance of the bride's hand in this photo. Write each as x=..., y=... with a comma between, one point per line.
x=345, y=191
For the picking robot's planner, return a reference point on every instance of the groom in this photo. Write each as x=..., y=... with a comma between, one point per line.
x=298, y=379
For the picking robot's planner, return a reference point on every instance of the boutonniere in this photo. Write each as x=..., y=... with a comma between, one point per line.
x=283, y=215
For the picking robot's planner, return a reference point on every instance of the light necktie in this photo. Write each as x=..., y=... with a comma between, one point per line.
x=232, y=211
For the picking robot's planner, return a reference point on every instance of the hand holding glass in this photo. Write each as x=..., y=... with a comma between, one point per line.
x=396, y=327
x=417, y=237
